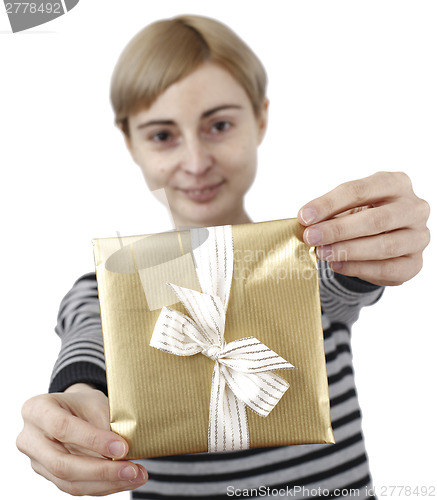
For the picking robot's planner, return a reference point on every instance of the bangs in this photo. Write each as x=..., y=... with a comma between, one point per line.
x=145, y=69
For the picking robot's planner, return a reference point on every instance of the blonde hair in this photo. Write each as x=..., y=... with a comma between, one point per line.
x=169, y=50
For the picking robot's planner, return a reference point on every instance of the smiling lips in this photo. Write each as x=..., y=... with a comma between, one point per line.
x=203, y=193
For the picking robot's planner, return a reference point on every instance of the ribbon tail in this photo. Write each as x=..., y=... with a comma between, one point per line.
x=237, y=437
x=215, y=430
x=228, y=427
x=259, y=391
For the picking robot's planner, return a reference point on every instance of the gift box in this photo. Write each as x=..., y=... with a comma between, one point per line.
x=213, y=339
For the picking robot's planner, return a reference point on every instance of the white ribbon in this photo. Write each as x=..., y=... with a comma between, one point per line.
x=242, y=373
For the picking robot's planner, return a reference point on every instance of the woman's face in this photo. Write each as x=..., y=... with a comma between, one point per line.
x=199, y=142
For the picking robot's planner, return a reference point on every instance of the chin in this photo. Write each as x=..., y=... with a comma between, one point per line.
x=203, y=217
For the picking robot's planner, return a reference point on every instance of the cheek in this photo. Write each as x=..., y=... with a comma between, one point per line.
x=156, y=173
x=243, y=161
x=243, y=152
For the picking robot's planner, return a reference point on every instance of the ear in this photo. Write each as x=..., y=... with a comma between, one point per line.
x=262, y=120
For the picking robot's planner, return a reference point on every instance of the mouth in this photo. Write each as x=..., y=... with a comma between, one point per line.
x=203, y=193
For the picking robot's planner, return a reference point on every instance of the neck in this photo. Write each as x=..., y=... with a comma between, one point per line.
x=235, y=218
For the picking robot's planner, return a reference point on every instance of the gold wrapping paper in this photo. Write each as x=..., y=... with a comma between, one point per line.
x=159, y=402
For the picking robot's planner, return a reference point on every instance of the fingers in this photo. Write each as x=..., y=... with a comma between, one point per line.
x=384, y=246
x=366, y=223
x=79, y=468
x=390, y=272
x=59, y=424
x=370, y=227
x=67, y=449
x=374, y=189
x=81, y=475
x=130, y=477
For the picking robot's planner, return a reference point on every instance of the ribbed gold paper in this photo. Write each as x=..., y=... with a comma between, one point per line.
x=159, y=402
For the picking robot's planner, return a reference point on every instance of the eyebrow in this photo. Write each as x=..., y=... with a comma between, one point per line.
x=205, y=114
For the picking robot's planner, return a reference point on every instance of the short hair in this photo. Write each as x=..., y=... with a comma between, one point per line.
x=167, y=51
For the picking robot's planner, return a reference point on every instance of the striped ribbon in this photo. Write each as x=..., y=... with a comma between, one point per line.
x=242, y=373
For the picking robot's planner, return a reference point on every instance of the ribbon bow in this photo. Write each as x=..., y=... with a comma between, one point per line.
x=242, y=373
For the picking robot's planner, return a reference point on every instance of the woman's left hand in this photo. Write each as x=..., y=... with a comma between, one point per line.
x=373, y=228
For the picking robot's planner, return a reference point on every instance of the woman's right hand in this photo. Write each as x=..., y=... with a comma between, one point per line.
x=68, y=440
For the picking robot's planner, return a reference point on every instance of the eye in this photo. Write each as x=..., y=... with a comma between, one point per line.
x=220, y=126
x=161, y=136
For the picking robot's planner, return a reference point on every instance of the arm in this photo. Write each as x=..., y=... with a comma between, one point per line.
x=66, y=434
x=81, y=358
x=342, y=297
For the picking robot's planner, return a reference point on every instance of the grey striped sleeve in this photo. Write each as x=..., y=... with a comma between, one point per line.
x=342, y=297
x=81, y=357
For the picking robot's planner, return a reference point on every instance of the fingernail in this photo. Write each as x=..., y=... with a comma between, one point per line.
x=313, y=236
x=308, y=215
x=141, y=476
x=117, y=449
x=129, y=473
x=324, y=252
x=336, y=266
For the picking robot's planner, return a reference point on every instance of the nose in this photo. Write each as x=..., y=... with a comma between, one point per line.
x=197, y=159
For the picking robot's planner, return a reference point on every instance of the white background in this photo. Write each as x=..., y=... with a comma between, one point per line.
x=353, y=91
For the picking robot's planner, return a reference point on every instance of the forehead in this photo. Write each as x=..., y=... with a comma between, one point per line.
x=206, y=88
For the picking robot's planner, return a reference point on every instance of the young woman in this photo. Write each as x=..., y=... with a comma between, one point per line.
x=189, y=97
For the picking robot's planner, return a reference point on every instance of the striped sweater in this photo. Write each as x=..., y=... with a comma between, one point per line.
x=303, y=471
